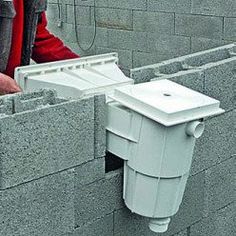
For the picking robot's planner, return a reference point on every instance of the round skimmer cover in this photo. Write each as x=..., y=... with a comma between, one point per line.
x=167, y=102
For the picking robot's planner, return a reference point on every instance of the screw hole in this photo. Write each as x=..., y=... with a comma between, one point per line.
x=167, y=94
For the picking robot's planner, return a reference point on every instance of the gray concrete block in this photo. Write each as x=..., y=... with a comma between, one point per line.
x=6, y=105
x=160, y=22
x=71, y=2
x=170, y=67
x=53, y=13
x=220, y=82
x=35, y=100
x=193, y=79
x=209, y=56
x=168, y=44
x=126, y=72
x=114, y=18
x=181, y=64
x=41, y=207
x=101, y=227
x=79, y=2
x=230, y=29
x=220, y=185
x=125, y=56
x=214, y=7
x=146, y=58
x=76, y=48
x=179, y=6
x=221, y=223
x=127, y=223
x=85, y=34
x=47, y=140
x=123, y=4
x=199, y=26
x=83, y=15
x=66, y=32
x=98, y=199
x=143, y=74
x=217, y=143
x=201, y=44
x=90, y=172
x=130, y=40
x=99, y=126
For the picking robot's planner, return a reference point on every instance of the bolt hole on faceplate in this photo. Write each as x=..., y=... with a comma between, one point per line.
x=167, y=94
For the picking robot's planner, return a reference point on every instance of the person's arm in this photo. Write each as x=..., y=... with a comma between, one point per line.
x=47, y=47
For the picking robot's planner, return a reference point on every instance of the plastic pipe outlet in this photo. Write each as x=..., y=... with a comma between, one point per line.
x=195, y=129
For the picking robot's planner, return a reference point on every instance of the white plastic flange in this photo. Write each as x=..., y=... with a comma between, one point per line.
x=195, y=129
x=159, y=225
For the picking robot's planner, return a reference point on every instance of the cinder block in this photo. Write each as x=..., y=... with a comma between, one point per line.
x=160, y=22
x=130, y=40
x=170, y=67
x=101, y=227
x=168, y=44
x=41, y=207
x=220, y=82
x=6, y=105
x=90, y=172
x=123, y=4
x=126, y=72
x=199, y=26
x=79, y=2
x=193, y=79
x=127, y=223
x=32, y=101
x=83, y=15
x=76, y=48
x=99, y=126
x=209, y=56
x=220, y=185
x=143, y=74
x=98, y=199
x=217, y=143
x=179, y=6
x=65, y=32
x=47, y=140
x=183, y=63
x=71, y=2
x=221, y=223
x=125, y=56
x=146, y=58
x=214, y=7
x=230, y=29
x=53, y=12
x=200, y=44
x=114, y=18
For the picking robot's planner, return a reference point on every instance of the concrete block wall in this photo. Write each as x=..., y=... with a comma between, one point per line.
x=52, y=160
x=145, y=31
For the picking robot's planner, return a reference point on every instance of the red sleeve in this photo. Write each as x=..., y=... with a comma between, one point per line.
x=49, y=48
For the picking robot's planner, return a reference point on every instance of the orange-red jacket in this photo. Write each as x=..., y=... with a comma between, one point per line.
x=46, y=47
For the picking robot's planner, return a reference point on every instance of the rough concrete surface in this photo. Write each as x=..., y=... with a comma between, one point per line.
x=41, y=207
x=46, y=140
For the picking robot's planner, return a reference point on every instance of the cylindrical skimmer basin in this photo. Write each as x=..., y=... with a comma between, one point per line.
x=153, y=127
